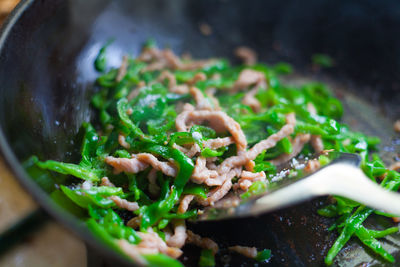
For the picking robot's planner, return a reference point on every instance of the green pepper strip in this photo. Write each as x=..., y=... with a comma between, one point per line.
x=151, y=214
x=365, y=236
x=351, y=225
x=122, y=107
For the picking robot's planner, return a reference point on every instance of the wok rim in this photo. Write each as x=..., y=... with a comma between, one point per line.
x=14, y=166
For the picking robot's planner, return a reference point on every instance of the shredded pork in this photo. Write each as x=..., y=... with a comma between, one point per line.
x=178, y=239
x=250, y=252
x=297, y=145
x=185, y=202
x=203, y=242
x=396, y=126
x=124, y=204
x=246, y=54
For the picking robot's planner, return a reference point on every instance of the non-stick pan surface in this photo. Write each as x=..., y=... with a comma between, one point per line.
x=46, y=74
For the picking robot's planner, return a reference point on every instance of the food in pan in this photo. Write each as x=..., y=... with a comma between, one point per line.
x=173, y=135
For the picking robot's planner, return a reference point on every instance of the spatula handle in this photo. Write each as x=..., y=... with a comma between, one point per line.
x=337, y=179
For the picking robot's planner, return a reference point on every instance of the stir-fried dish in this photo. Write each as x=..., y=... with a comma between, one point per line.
x=173, y=135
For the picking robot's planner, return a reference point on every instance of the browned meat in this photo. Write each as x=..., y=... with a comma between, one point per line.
x=106, y=182
x=271, y=141
x=152, y=241
x=132, y=251
x=396, y=126
x=246, y=54
x=210, y=92
x=217, y=120
x=316, y=143
x=312, y=166
x=201, y=173
x=194, y=149
x=161, y=59
x=250, y=252
x=132, y=165
x=185, y=202
x=179, y=237
x=122, y=141
x=124, y=204
x=395, y=166
x=200, y=76
x=218, y=142
x=123, y=69
x=248, y=178
x=166, y=75
x=202, y=102
x=219, y=192
x=205, y=29
x=297, y=145
x=202, y=242
x=165, y=167
x=248, y=78
x=251, y=101
x=134, y=223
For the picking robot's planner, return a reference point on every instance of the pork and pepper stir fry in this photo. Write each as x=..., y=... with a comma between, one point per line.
x=173, y=135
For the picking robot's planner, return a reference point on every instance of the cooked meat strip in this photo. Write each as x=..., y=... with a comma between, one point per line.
x=202, y=102
x=247, y=78
x=165, y=167
x=228, y=201
x=246, y=54
x=258, y=148
x=134, y=223
x=312, y=165
x=203, y=242
x=218, y=142
x=248, y=178
x=316, y=143
x=132, y=165
x=132, y=251
x=250, y=252
x=205, y=29
x=194, y=149
x=216, y=120
x=168, y=76
x=297, y=145
x=316, y=140
x=178, y=239
x=106, y=182
x=200, y=76
x=160, y=59
x=251, y=101
x=395, y=166
x=219, y=192
x=201, y=173
x=185, y=202
x=396, y=126
x=250, y=165
x=151, y=240
x=122, y=141
x=123, y=69
x=210, y=92
x=124, y=204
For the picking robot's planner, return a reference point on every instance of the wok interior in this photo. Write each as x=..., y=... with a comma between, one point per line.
x=46, y=76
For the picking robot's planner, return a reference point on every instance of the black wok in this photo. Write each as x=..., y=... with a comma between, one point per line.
x=47, y=48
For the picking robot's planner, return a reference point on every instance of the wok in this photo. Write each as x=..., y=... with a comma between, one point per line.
x=47, y=49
